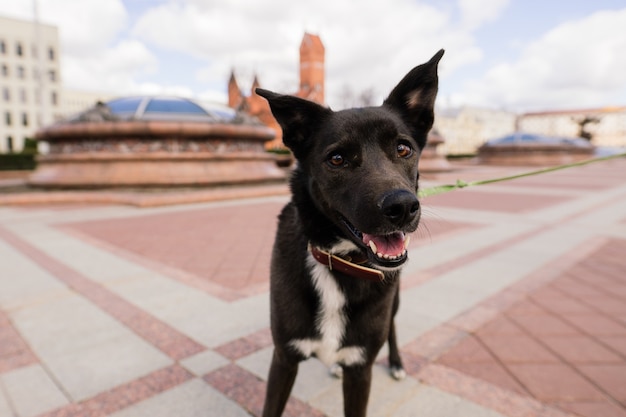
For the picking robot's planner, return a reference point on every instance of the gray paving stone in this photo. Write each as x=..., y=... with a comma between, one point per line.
x=313, y=376
x=87, y=350
x=387, y=394
x=409, y=324
x=591, y=200
x=438, y=300
x=5, y=408
x=385, y=397
x=191, y=399
x=455, y=246
x=31, y=391
x=114, y=362
x=95, y=263
x=431, y=402
x=204, y=362
x=22, y=281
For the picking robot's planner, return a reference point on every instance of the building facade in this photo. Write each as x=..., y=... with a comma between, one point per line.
x=465, y=129
x=30, y=80
x=603, y=126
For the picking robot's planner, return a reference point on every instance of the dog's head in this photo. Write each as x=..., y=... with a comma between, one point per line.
x=361, y=164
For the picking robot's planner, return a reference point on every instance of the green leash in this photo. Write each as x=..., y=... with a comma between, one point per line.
x=440, y=189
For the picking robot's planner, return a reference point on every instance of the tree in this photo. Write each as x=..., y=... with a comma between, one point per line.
x=582, y=126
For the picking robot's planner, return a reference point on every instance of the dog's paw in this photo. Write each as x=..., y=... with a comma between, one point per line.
x=397, y=373
x=336, y=370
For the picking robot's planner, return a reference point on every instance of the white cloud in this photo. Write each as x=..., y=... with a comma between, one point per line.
x=86, y=25
x=112, y=69
x=577, y=64
x=369, y=47
x=373, y=48
x=474, y=13
x=96, y=54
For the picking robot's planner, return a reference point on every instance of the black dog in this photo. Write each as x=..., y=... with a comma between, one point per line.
x=342, y=239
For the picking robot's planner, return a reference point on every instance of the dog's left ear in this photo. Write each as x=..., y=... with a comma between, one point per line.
x=414, y=97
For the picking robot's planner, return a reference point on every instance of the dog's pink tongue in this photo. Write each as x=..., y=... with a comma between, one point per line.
x=391, y=245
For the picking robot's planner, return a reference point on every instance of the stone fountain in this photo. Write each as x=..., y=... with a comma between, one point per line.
x=530, y=149
x=155, y=142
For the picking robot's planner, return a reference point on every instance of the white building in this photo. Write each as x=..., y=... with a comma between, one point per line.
x=27, y=101
x=465, y=129
x=607, y=125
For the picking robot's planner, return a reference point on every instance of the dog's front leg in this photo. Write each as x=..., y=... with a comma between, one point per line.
x=356, y=390
x=279, y=383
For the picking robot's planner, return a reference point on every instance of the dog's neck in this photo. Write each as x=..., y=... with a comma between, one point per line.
x=346, y=266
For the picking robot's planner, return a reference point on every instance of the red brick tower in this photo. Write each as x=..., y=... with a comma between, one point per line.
x=311, y=87
x=235, y=98
x=312, y=68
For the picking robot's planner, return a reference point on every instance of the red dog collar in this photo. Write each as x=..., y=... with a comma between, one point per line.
x=344, y=266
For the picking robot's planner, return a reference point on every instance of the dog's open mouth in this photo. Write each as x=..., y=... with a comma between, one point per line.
x=389, y=250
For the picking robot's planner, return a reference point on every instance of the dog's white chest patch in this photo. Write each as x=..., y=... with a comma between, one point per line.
x=331, y=322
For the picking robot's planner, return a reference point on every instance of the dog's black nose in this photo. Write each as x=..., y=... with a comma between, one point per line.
x=400, y=207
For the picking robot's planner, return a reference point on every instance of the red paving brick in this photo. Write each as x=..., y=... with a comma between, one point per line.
x=14, y=352
x=617, y=343
x=609, y=377
x=169, y=340
x=596, y=324
x=246, y=345
x=518, y=349
x=580, y=349
x=594, y=409
x=543, y=324
x=249, y=391
x=199, y=242
x=563, y=344
x=125, y=395
x=555, y=382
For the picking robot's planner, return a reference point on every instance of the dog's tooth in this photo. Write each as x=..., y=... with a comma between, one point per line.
x=372, y=246
x=407, y=241
x=380, y=255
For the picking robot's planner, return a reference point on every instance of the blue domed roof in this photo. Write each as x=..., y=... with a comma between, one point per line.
x=520, y=138
x=168, y=108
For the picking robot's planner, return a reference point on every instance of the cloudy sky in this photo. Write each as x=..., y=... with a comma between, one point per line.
x=519, y=55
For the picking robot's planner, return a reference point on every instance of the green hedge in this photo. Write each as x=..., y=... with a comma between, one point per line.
x=17, y=161
x=24, y=160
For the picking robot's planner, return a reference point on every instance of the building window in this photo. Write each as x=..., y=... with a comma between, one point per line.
x=6, y=94
x=18, y=49
x=20, y=72
x=7, y=118
x=24, y=119
x=51, y=54
x=23, y=96
x=3, y=48
x=9, y=144
x=52, y=75
x=5, y=70
x=54, y=98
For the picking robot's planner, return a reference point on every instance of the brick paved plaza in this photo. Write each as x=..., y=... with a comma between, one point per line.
x=513, y=304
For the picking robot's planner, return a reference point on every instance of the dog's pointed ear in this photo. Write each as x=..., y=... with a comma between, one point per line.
x=296, y=116
x=414, y=97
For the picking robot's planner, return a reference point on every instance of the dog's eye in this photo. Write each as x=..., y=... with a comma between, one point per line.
x=336, y=160
x=404, y=150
